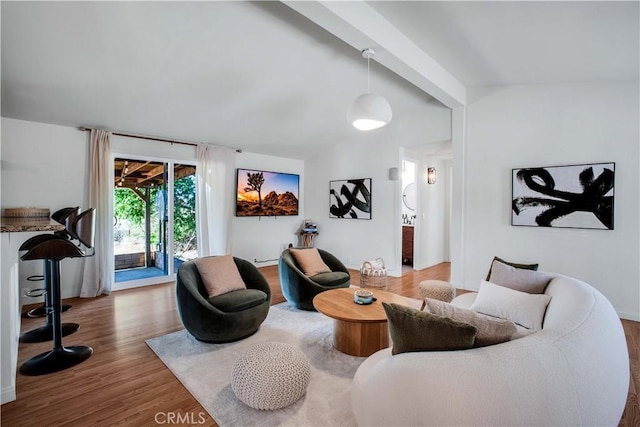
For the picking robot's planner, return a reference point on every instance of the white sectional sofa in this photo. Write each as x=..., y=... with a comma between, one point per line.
x=573, y=372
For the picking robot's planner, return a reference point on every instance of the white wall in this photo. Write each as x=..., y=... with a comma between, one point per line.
x=45, y=166
x=529, y=126
x=354, y=241
x=152, y=150
x=433, y=222
x=264, y=238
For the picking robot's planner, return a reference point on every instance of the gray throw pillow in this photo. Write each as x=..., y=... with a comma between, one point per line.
x=491, y=330
x=415, y=330
x=533, y=267
x=531, y=282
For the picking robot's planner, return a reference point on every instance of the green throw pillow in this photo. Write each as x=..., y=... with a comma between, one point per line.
x=415, y=330
x=533, y=267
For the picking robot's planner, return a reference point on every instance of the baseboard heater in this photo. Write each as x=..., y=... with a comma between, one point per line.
x=264, y=260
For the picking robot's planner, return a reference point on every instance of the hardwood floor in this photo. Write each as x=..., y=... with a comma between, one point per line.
x=631, y=415
x=124, y=383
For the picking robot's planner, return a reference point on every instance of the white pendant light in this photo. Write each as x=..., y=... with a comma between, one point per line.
x=369, y=111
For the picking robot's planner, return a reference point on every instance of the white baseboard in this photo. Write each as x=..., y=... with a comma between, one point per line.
x=259, y=264
x=394, y=273
x=8, y=394
x=353, y=267
x=629, y=316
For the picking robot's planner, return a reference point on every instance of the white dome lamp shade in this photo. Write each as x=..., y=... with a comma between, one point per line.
x=369, y=111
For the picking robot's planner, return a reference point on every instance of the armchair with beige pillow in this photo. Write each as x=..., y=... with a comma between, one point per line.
x=221, y=298
x=305, y=272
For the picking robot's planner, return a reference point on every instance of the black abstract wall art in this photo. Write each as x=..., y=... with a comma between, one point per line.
x=575, y=196
x=350, y=198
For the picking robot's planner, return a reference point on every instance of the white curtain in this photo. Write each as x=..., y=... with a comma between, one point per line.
x=98, y=270
x=215, y=192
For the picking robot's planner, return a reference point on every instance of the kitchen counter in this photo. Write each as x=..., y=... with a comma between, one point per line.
x=20, y=225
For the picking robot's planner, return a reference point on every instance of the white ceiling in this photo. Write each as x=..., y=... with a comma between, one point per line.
x=259, y=76
x=520, y=42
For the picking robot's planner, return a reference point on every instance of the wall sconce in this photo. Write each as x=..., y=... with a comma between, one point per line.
x=431, y=175
x=393, y=174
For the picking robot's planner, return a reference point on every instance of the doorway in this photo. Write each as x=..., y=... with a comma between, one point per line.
x=409, y=213
x=154, y=220
x=425, y=212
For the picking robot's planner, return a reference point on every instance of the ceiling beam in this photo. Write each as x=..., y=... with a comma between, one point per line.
x=158, y=170
x=134, y=166
x=361, y=26
x=184, y=171
x=124, y=168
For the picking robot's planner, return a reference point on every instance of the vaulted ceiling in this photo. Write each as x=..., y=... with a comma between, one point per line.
x=262, y=77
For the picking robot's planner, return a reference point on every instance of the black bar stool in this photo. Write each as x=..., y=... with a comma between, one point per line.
x=52, y=251
x=65, y=216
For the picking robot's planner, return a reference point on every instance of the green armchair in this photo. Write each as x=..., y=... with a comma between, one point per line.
x=227, y=317
x=299, y=289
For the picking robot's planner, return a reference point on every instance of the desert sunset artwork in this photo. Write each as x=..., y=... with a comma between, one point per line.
x=263, y=193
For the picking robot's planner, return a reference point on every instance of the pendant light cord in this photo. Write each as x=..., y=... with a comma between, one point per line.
x=368, y=75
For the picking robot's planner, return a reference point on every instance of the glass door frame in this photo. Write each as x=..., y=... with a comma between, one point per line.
x=171, y=274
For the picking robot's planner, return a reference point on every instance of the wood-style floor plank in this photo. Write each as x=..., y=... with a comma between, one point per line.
x=124, y=384
x=631, y=416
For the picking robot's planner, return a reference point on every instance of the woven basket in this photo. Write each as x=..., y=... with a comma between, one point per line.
x=26, y=213
x=373, y=274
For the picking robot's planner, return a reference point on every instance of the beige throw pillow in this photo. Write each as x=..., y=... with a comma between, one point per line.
x=219, y=274
x=520, y=307
x=490, y=329
x=531, y=282
x=415, y=330
x=309, y=261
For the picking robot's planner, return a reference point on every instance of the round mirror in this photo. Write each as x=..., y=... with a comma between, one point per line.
x=409, y=196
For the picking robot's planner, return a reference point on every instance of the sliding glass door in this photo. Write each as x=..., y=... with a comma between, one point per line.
x=152, y=234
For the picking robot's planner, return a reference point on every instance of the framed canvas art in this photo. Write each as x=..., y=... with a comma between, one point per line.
x=350, y=198
x=574, y=196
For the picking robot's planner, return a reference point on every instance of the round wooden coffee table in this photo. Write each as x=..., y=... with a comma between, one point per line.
x=359, y=330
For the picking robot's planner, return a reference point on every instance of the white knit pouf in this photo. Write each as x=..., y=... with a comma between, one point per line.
x=270, y=375
x=437, y=289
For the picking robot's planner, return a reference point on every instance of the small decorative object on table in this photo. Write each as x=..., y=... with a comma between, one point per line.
x=373, y=274
x=363, y=297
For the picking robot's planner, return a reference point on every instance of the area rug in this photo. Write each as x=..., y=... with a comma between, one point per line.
x=205, y=371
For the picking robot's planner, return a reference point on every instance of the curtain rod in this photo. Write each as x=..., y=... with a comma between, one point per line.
x=153, y=138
